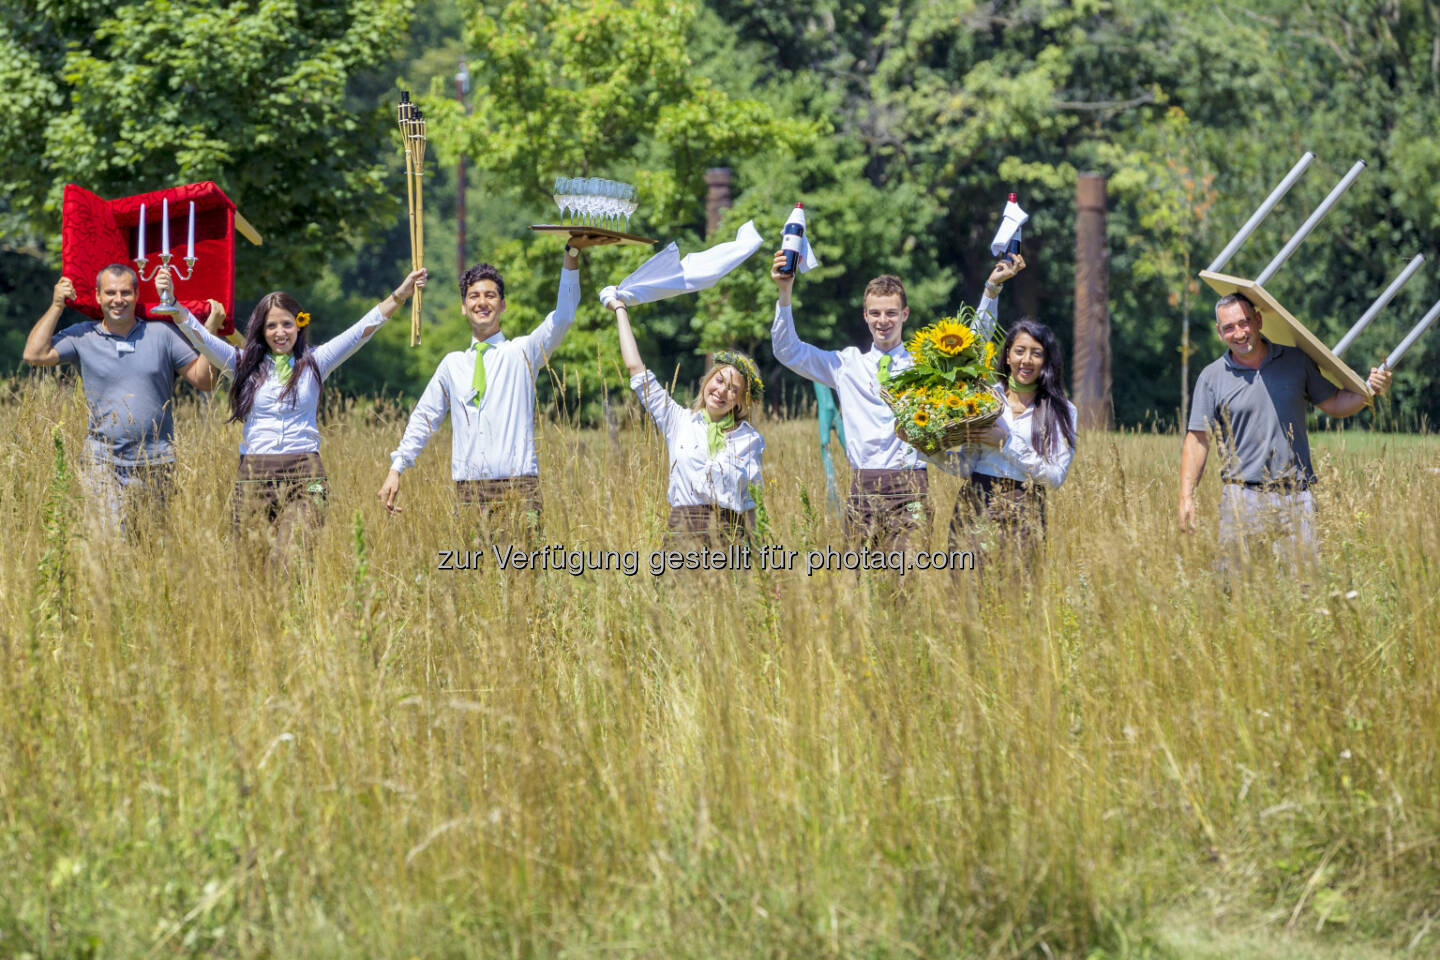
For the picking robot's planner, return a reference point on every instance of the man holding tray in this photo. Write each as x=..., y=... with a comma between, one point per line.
x=889, y=489
x=489, y=392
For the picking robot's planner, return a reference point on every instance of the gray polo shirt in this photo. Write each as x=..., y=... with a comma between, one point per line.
x=1260, y=414
x=128, y=385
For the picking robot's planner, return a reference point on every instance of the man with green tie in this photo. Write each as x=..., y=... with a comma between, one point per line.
x=488, y=390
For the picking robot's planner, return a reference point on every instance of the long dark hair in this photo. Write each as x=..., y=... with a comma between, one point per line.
x=248, y=375
x=1052, y=412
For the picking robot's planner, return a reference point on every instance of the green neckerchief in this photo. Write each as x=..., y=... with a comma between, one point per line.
x=884, y=368
x=1021, y=388
x=478, y=381
x=284, y=366
x=715, y=430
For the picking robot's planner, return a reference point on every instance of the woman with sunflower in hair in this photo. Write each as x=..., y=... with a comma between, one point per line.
x=276, y=377
x=1026, y=452
x=714, y=451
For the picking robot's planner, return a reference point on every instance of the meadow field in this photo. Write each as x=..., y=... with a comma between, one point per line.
x=367, y=756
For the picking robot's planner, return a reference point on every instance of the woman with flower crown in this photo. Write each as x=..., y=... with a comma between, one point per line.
x=714, y=450
x=276, y=379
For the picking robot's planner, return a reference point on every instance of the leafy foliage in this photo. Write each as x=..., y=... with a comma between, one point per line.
x=126, y=98
x=900, y=126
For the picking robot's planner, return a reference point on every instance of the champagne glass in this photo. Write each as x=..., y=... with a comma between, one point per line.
x=611, y=206
x=558, y=195
x=572, y=196
x=629, y=204
x=592, y=200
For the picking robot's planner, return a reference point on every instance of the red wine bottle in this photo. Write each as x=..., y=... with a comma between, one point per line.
x=792, y=240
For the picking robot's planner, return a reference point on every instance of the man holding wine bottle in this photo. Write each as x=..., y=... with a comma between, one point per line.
x=889, y=491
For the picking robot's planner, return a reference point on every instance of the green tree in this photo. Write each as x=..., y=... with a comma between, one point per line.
x=252, y=95
x=599, y=88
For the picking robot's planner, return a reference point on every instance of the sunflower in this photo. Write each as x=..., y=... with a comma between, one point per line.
x=951, y=337
x=972, y=406
x=920, y=417
x=916, y=346
x=990, y=353
x=952, y=400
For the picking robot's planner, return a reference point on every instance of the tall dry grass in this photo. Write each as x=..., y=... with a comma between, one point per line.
x=366, y=756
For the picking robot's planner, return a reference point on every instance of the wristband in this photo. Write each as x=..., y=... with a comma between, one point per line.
x=992, y=290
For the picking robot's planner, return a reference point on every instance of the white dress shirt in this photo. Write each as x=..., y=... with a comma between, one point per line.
x=496, y=440
x=870, y=440
x=1017, y=458
x=289, y=425
x=696, y=478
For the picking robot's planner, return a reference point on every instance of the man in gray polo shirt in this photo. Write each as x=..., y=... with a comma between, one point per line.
x=128, y=369
x=1255, y=398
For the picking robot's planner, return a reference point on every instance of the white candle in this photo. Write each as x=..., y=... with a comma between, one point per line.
x=165, y=226
x=141, y=255
x=190, y=252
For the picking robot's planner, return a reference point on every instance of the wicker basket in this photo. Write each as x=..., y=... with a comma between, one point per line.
x=952, y=431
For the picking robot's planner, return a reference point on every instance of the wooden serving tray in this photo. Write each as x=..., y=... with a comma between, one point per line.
x=580, y=230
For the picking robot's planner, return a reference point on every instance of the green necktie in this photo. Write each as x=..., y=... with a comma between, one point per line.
x=284, y=365
x=715, y=431
x=884, y=369
x=478, y=381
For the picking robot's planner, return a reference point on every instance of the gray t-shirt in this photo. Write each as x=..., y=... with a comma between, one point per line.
x=128, y=385
x=1260, y=414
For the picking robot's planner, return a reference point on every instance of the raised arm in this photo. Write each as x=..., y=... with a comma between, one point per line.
x=543, y=340
x=808, y=360
x=337, y=350
x=987, y=313
x=629, y=350
x=39, y=350
x=220, y=354
x=662, y=407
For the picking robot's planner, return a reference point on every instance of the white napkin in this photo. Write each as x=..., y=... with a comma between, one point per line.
x=1012, y=220
x=808, y=260
x=667, y=275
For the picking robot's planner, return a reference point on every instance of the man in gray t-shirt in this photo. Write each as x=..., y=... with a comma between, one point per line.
x=1254, y=398
x=128, y=369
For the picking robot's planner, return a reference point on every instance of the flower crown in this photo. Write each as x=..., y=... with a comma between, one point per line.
x=747, y=368
x=302, y=319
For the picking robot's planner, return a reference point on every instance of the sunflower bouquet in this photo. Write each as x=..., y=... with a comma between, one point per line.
x=947, y=392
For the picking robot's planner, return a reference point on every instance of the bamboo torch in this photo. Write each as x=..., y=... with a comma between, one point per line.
x=412, y=133
x=418, y=139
